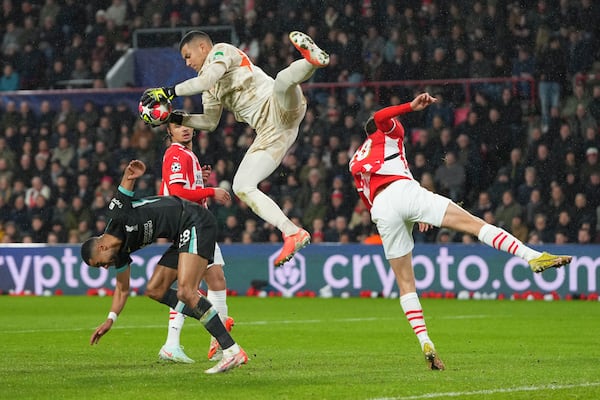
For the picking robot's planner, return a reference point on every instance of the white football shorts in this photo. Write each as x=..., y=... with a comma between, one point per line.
x=218, y=257
x=398, y=207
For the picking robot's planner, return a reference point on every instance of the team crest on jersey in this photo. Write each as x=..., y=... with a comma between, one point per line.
x=175, y=167
x=217, y=55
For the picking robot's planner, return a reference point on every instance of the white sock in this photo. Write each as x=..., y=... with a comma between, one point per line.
x=218, y=298
x=231, y=351
x=414, y=314
x=499, y=239
x=175, y=325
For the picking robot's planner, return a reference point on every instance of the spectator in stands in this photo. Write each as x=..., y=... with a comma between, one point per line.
x=338, y=205
x=39, y=231
x=591, y=164
x=317, y=230
x=556, y=204
x=337, y=230
x=20, y=213
x=10, y=79
x=232, y=231
x=64, y=152
x=516, y=168
x=523, y=192
x=577, y=96
x=5, y=194
x=84, y=189
x=581, y=121
x=31, y=64
x=507, y=210
x=542, y=230
x=77, y=212
x=80, y=71
x=500, y=185
x=450, y=177
x=11, y=233
x=38, y=188
x=511, y=115
x=518, y=228
x=592, y=189
x=315, y=208
x=364, y=228
x=10, y=117
x=551, y=71
x=483, y=205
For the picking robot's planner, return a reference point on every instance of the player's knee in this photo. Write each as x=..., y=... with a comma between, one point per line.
x=154, y=293
x=186, y=295
x=241, y=190
x=216, y=283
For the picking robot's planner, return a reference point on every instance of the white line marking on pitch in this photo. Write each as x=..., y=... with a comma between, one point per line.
x=282, y=322
x=492, y=391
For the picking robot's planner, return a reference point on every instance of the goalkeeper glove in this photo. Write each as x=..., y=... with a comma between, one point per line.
x=157, y=95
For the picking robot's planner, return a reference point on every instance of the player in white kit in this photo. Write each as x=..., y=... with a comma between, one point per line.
x=274, y=108
x=397, y=201
x=182, y=176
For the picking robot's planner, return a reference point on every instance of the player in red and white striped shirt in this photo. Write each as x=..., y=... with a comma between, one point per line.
x=182, y=176
x=397, y=202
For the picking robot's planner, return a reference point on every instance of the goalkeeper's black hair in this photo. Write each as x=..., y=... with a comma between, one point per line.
x=192, y=35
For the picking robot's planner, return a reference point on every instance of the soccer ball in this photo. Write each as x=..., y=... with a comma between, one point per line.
x=156, y=113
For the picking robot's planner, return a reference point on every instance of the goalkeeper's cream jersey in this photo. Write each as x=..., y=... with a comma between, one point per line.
x=244, y=87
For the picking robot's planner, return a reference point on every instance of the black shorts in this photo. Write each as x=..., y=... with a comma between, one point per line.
x=197, y=235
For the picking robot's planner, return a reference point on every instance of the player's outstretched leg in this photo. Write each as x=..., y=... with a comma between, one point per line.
x=547, y=260
x=309, y=50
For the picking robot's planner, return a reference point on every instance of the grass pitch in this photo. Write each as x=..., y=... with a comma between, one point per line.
x=304, y=348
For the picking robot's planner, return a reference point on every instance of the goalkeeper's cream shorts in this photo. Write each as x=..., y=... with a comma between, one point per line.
x=277, y=128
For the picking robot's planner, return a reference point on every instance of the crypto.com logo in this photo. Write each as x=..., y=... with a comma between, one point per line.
x=290, y=277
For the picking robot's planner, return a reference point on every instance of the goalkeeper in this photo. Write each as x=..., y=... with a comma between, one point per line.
x=274, y=108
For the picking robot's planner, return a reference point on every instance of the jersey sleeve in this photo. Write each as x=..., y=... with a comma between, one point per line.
x=174, y=167
x=384, y=117
x=196, y=195
x=118, y=209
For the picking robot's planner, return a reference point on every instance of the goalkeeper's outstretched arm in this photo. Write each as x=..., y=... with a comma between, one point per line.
x=207, y=121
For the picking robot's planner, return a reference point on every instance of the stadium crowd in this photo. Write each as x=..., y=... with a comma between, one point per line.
x=526, y=163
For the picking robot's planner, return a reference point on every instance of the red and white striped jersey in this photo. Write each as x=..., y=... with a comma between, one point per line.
x=381, y=159
x=181, y=166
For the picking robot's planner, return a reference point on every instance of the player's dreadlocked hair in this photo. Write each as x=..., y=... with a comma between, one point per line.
x=193, y=35
x=370, y=126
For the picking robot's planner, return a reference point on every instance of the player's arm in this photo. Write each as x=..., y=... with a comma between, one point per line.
x=384, y=117
x=134, y=170
x=193, y=86
x=199, y=194
x=209, y=119
x=118, y=303
x=204, y=81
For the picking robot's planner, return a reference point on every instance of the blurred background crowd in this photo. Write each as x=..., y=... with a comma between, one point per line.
x=520, y=154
